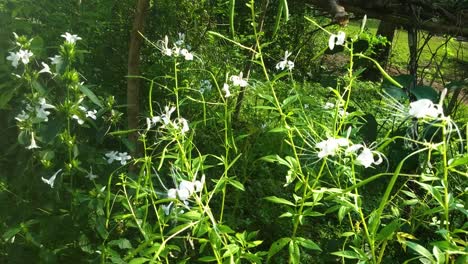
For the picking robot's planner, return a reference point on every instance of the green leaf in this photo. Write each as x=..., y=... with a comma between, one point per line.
x=277, y=246
x=90, y=95
x=422, y=251
x=231, y=249
x=10, y=233
x=388, y=230
x=395, y=92
x=138, y=261
x=458, y=161
x=7, y=94
x=307, y=243
x=294, y=253
x=278, y=200
x=346, y=254
x=121, y=243
x=38, y=87
x=207, y=259
x=433, y=191
x=236, y=184
x=225, y=229
x=425, y=92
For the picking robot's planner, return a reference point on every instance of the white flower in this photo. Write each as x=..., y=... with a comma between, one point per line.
x=425, y=108
x=185, y=127
x=111, y=156
x=78, y=119
x=24, y=55
x=90, y=175
x=238, y=81
x=183, y=194
x=226, y=90
x=57, y=59
x=91, y=114
x=330, y=146
x=181, y=39
x=187, y=55
x=69, y=38
x=366, y=157
x=285, y=63
x=41, y=110
x=164, y=47
x=51, y=180
x=45, y=68
x=199, y=184
x=123, y=157
x=166, y=117
x=328, y=106
x=338, y=39
x=14, y=58
x=22, y=116
x=33, y=144
x=150, y=122
x=172, y=193
x=187, y=185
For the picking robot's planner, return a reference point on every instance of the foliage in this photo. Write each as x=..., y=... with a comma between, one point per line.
x=315, y=165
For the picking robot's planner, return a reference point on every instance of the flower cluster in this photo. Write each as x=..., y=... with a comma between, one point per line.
x=183, y=192
x=285, y=63
x=338, y=39
x=123, y=157
x=332, y=146
x=180, y=124
x=205, y=86
x=177, y=49
x=87, y=113
x=236, y=80
x=21, y=55
x=40, y=110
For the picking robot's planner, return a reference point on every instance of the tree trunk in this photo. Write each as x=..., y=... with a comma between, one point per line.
x=133, y=84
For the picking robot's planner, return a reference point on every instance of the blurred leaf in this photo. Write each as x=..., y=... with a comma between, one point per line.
x=231, y=249
x=277, y=246
x=278, y=200
x=138, y=261
x=307, y=243
x=422, y=251
x=346, y=254
x=425, y=92
x=388, y=230
x=237, y=184
x=294, y=253
x=90, y=95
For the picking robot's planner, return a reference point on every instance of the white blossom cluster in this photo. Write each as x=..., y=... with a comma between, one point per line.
x=285, y=63
x=83, y=111
x=180, y=124
x=112, y=156
x=365, y=156
x=177, y=49
x=236, y=80
x=183, y=192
